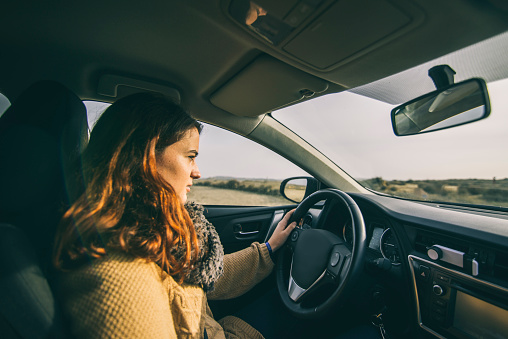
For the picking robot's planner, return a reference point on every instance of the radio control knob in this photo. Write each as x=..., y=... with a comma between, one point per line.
x=438, y=290
x=434, y=253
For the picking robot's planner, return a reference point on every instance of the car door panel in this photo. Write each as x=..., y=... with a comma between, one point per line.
x=238, y=227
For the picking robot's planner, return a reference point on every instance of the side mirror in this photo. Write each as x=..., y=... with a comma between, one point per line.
x=454, y=105
x=298, y=188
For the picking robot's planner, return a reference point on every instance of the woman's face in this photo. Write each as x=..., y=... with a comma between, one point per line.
x=177, y=163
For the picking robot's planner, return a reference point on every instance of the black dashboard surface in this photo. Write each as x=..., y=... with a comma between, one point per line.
x=472, y=266
x=409, y=282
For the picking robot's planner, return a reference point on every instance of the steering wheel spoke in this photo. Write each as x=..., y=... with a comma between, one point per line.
x=296, y=292
x=338, y=264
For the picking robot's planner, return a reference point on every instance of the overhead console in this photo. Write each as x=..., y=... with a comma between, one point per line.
x=331, y=33
x=461, y=288
x=345, y=41
x=313, y=33
x=318, y=32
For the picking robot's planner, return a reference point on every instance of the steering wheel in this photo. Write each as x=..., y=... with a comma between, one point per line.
x=319, y=257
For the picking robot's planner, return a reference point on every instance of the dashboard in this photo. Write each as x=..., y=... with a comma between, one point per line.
x=334, y=217
x=443, y=268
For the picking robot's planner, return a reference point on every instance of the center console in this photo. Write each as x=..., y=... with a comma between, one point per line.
x=454, y=304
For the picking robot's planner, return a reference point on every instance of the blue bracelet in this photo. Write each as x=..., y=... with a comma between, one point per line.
x=269, y=247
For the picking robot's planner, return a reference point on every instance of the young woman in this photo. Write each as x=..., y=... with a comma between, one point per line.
x=137, y=261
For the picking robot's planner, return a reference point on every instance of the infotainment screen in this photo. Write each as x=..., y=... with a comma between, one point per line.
x=479, y=318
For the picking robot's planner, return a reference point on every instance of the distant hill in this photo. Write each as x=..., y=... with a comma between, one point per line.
x=470, y=191
x=222, y=178
x=259, y=186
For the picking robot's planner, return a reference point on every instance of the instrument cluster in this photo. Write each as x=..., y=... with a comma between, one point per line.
x=380, y=239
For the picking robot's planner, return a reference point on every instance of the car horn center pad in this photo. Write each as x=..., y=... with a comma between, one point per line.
x=311, y=256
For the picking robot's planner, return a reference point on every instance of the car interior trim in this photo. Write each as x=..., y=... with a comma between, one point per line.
x=116, y=86
x=281, y=138
x=277, y=216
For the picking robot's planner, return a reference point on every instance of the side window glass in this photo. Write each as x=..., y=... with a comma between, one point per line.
x=237, y=171
x=4, y=104
x=94, y=109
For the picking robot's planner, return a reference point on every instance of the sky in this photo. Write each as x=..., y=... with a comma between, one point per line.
x=357, y=135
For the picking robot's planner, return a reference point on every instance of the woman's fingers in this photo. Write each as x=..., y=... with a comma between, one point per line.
x=282, y=231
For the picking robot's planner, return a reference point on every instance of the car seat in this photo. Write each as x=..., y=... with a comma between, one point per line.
x=41, y=137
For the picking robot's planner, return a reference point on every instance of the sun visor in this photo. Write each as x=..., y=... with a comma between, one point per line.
x=265, y=85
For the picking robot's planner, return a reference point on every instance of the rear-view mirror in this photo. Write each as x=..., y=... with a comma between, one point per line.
x=455, y=105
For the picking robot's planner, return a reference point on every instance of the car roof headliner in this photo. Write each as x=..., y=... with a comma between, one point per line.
x=196, y=48
x=486, y=59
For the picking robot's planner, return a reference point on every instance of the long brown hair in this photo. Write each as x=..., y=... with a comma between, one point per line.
x=127, y=205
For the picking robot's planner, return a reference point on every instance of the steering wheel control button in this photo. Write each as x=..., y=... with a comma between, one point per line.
x=294, y=235
x=335, y=259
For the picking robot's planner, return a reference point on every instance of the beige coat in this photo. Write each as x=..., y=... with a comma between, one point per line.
x=124, y=297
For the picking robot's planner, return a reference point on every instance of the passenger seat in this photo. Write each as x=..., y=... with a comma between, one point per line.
x=41, y=137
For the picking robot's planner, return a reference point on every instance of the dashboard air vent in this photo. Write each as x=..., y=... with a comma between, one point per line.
x=424, y=241
x=500, y=267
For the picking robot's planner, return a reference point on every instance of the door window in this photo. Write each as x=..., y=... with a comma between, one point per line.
x=4, y=104
x=237, y=171
x=234, y=170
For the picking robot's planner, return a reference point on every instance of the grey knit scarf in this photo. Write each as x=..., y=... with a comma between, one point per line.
x=210, y=264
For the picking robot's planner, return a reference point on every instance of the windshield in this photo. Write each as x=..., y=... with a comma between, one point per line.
x=466, y=164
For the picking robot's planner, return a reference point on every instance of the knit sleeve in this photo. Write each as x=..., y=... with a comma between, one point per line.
x=242, y=271
x=117, y=297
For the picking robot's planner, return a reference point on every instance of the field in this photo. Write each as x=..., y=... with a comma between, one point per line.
x=223, y=196
x=265, y=192
x=241, y=192
x=469, y=191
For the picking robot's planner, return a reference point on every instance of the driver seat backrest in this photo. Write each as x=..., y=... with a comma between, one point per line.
x=41, y=137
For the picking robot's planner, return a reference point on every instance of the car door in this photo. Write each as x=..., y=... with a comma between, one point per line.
x=238, y=227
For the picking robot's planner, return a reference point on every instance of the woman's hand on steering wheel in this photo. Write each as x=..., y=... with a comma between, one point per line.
x=282, y=232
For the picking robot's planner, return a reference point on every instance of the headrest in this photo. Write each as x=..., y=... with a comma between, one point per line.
x=41, y=137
